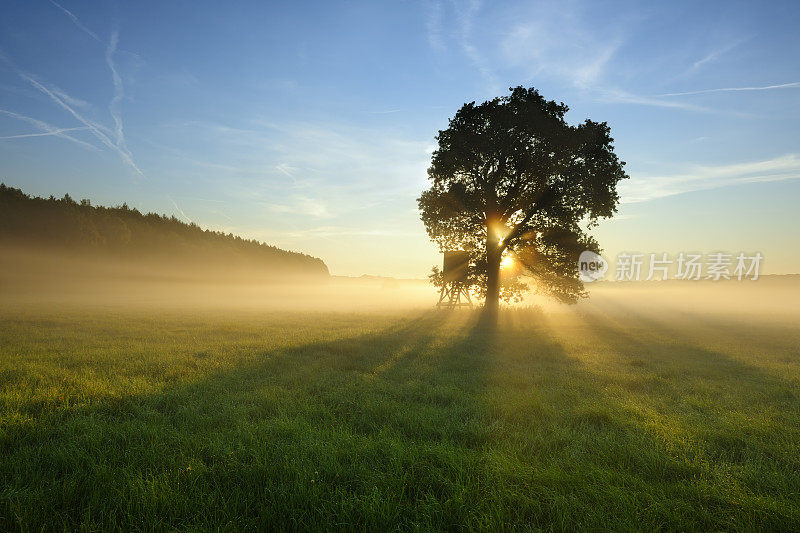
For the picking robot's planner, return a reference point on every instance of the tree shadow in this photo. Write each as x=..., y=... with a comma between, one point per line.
x=682, y=352
x=709, y=405
x=355, y=422
x=440, y=421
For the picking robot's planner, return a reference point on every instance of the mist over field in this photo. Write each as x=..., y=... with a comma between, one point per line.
x=252, y=404
x=399, y=266
x=40, y=277
x=208, y=381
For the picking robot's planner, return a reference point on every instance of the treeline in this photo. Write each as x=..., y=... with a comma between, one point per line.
x=121, y=232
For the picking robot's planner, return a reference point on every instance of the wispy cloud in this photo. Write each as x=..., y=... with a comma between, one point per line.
x=302, y=206
x=623, y=97
x=537, y=41
x=95, y=128
x=71, y=100
x=47, y=129
x=329, y=155
x=707, y=59
x=300, y=173
x=434, y=13
x=68, y=103
x=222, y=214
x=712, y=56
x=113, y=106
x=77, y=22
x=699, y=177
x=180, y=210
x=466, y=19
x=792, y=85
x=566, y=44
x=463, y=35
x=287, y=170
x=45, y=134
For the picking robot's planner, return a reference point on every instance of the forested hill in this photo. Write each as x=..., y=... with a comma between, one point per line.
x=64, y=225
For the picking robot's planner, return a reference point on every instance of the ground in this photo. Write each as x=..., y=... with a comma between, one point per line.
x=623, y=418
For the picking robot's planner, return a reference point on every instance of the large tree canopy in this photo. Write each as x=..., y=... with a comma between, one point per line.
x=510, y=176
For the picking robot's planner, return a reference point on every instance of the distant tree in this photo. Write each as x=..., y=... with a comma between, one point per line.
x=510, y=176
x=122, y=231
x=116, y=232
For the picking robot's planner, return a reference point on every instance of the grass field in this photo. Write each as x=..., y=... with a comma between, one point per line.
x=618, y=419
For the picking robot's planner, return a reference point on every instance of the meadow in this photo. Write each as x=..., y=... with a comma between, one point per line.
x=610, y=416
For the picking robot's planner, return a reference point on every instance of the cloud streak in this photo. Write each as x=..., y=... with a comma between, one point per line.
x=180, y=210
x=68, y=103
x=467, y=22
x=77, y=22
x=565, y=44
x=711, y=57
x=433, y=26
x=71, y=100
x=623, y=97
x=45, y=134
x=792, y=85
x=47, y=129
x=113, y=106
x=95, y=128
x=699, y=178
x=302, y=206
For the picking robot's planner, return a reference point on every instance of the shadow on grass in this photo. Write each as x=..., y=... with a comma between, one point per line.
x=734, y=420
x=374, y=430
x=442, y=421
x=674, y=350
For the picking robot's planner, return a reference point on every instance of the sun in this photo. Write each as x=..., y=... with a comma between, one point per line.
x=507, y=262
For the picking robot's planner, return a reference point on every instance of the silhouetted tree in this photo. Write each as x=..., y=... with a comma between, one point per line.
x=511, y=176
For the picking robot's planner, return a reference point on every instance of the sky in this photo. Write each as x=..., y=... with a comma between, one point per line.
x=310, y=125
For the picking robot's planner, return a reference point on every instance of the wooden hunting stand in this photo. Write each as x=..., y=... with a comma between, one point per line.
x=455, y=280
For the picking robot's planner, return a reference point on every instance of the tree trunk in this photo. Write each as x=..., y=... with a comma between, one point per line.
x=493, y=280
x=493, y=253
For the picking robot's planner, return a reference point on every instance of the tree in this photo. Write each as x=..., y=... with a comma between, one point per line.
x=511, y=177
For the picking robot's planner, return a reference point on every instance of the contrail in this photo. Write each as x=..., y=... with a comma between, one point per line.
x=282, y=168
x=77, y=22
x=179, y=209
x=792, y=85
x=56, y=132
x=93, y=127
x=48, y=129
x=113, y=107
x=118, y=91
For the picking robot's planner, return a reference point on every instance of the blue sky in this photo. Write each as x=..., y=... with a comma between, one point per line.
x=310, y=125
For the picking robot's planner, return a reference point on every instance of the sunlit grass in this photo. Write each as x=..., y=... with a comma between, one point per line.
x=621, y=420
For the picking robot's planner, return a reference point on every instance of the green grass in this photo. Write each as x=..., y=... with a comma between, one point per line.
x=615, y=421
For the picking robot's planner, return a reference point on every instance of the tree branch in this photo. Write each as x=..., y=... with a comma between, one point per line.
x=515, y=233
